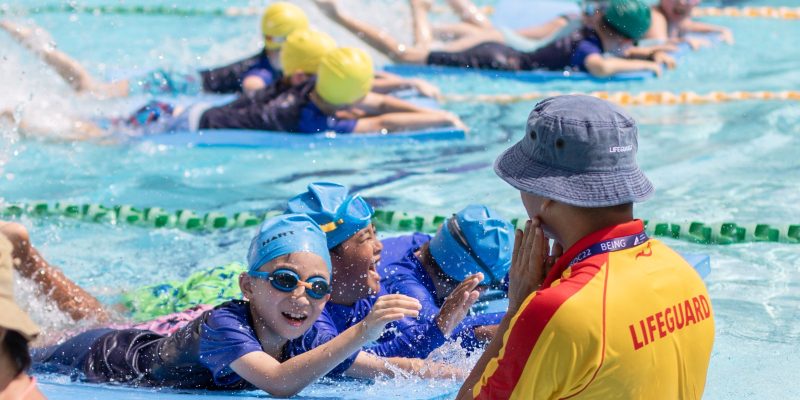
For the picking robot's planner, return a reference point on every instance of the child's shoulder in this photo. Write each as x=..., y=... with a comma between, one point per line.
x=229, y=313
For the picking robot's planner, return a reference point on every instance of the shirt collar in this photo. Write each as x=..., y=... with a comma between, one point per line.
x=610, y=232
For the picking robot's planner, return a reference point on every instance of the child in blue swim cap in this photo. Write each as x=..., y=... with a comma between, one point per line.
x=472, y=248
x=240, y=344
x=355, y=252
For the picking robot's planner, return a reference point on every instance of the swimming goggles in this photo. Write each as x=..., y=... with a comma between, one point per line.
x=590, y=7
x=149, y=113
x=458, y=235
x=274, y=42
x=286, y=280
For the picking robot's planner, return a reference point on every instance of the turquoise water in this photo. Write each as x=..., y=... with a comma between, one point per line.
x=713, y=163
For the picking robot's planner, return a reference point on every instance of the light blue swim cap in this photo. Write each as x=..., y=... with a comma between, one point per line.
x=476, y=239
x=284, y=234
x=338, y=213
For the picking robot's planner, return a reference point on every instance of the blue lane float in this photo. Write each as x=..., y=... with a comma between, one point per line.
x=284, y=140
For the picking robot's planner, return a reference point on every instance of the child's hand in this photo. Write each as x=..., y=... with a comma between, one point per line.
x=391, y=307
x=665, y=59
x=727, y=36
x=458, y=303
x=697, y=43
x=329, y=7
x=426, y=88
x=654, y=67
x=528, y=264
x=455, y=121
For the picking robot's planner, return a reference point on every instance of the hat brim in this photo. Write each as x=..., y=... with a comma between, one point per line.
x=13, y=318
x=587, y=189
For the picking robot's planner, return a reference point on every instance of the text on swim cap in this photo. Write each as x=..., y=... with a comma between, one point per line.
x=669, y=320
x=276, y=236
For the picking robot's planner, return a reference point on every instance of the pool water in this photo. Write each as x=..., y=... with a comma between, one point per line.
x=712, y=163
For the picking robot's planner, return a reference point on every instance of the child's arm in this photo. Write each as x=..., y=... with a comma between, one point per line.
x=382, y=112
x=403, y=121
x=49, y=280
x=657, y=54
x=386, y=83
x=545, y=30
x=600, y=66
x=377, y=104
x=434, y=324
x=368, y=366
x=701, y=27
x=290, y=377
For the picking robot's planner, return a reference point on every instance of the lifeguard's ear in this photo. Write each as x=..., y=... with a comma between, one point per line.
x=246, y=285
x=546, y=204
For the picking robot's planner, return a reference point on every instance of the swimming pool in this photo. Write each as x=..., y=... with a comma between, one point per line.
x=718, y=162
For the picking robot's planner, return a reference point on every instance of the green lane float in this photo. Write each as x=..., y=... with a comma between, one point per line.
x=722, y=233
x=121, y=9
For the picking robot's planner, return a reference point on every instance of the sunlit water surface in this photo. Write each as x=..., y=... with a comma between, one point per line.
x=721, y=162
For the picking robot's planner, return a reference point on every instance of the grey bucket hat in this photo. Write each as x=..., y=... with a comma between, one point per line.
x=578, y=150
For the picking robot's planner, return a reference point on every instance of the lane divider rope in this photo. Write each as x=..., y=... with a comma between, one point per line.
x=748, y=12
x=122, y=9
x=722, y=233
x=638, y=99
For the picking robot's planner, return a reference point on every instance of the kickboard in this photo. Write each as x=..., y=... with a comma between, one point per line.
x=534, y=76
x=267, y=139
x=54, y=388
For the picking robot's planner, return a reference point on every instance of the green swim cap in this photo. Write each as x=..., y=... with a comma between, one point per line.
x=629, y=17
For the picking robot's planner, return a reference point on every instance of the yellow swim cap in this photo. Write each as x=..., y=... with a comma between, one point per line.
x=344, y=76
x=279, y=20
x=303, y=51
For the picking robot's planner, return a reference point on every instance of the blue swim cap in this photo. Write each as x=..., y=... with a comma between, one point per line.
x=284, y=234
x=338, y=213
x=476, y=239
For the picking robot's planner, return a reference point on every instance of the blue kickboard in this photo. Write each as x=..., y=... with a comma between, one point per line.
x=533, y=76
x=55, y=388
x=267, y=139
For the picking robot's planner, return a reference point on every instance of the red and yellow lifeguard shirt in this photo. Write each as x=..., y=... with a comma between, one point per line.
x=633, y=323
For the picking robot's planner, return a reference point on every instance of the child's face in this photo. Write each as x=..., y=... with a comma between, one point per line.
x=287, y=314
x=355, y=261
x=678, y=9
x=618, y=45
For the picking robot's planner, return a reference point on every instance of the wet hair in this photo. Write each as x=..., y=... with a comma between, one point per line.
x=17, y=348
x=337, y=249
